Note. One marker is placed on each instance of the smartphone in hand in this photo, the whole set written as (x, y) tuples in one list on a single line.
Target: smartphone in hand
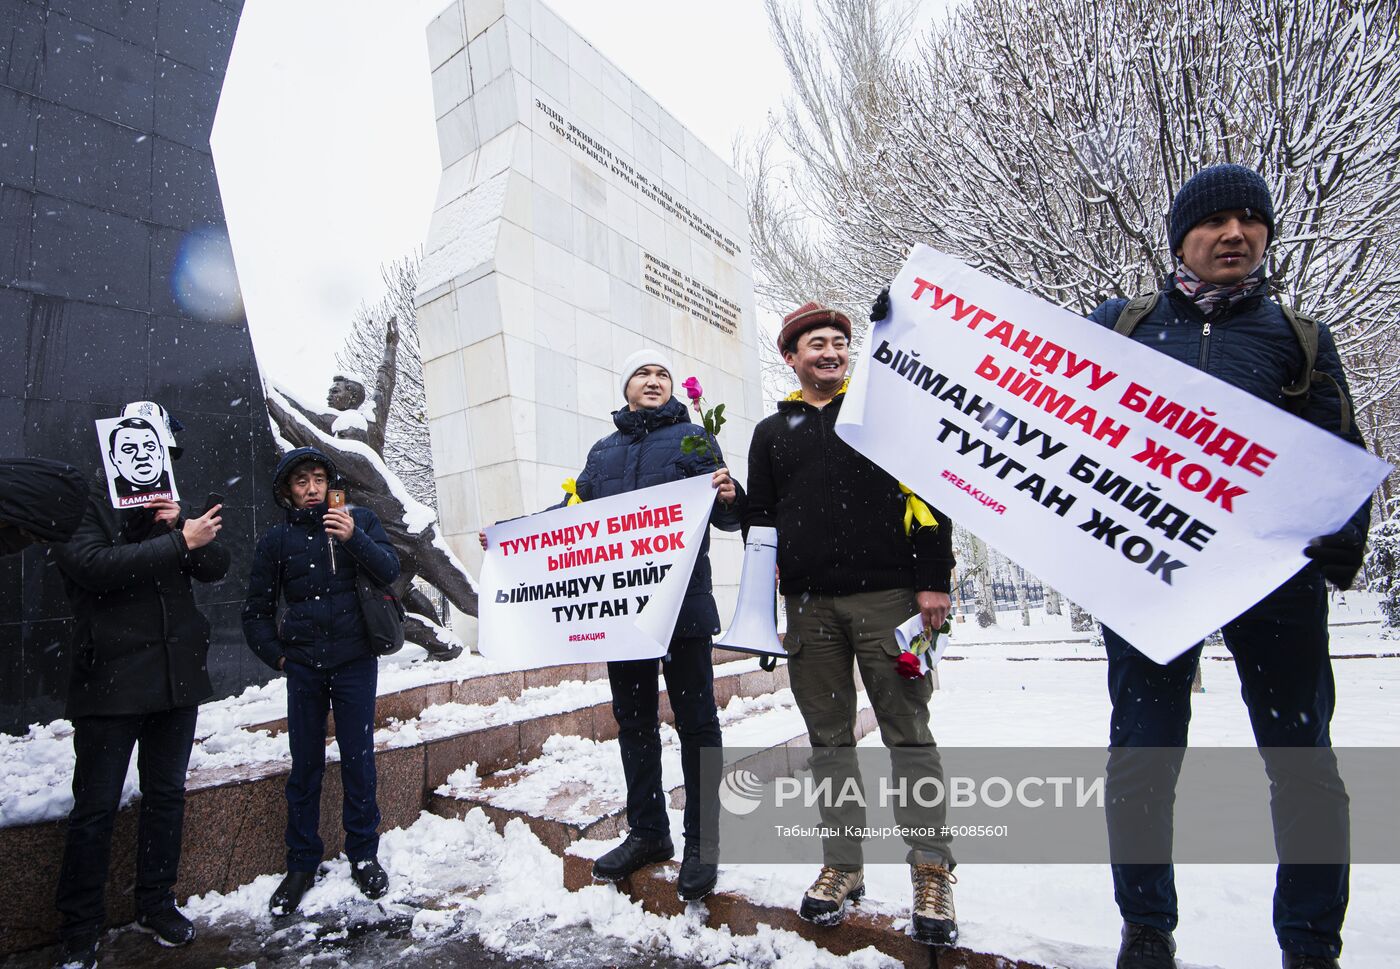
[(211, 500), (335, 498)]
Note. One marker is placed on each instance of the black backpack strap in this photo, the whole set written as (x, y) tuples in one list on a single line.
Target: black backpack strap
[(1132, 314), (1295, 395)]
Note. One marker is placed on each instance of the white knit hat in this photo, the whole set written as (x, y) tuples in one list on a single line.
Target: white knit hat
[(645, 357)]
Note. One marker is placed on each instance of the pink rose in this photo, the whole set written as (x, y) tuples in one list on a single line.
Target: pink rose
[(909, 666), (693, 390)]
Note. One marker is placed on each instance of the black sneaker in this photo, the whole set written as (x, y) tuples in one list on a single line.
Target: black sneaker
[(370, 877), (170, 928), (79, 954), (1145, 947), (636, 852), (698, 872), (288, 895), (1297, 960)]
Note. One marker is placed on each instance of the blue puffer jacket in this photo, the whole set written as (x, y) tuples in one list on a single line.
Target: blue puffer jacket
[(645, 450), (1252, 347), (322, 627)]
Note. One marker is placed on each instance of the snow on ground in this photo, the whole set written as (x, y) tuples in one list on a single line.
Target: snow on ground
[(460, 877)]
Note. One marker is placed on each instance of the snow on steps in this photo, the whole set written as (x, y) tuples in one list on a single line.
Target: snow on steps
[(487, 688), (654, 887), (574, 789), (235, 815)]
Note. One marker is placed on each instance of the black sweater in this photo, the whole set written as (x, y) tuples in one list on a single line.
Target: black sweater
[(840, 518)]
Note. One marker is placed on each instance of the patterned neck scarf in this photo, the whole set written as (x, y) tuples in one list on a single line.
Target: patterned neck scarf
[(1212, 299)]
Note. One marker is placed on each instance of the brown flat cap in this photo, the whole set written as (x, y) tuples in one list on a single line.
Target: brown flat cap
[(809, 316)]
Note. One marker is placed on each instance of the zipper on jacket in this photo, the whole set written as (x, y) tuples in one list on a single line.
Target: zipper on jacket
[(1205, 346)]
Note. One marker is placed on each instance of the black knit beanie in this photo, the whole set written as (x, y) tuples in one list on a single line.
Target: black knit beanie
[(1216, 189)]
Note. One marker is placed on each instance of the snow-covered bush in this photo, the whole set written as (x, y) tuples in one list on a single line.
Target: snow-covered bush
[(1383, 565)]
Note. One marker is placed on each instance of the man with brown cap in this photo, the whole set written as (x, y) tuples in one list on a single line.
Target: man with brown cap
[(851, 571)]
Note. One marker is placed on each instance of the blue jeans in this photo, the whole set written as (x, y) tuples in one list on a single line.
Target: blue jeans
[(348, 690), (102, 748), (690, 685), (1281, 654)]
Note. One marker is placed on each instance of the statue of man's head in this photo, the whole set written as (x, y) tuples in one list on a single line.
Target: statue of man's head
[(346, 393)]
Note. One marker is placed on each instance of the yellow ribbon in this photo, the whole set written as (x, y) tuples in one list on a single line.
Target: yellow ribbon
[(571, 488), (916, 511), (797, 394)]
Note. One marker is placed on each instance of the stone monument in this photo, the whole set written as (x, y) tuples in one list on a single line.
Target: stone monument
[(576, 221), (117, 284)]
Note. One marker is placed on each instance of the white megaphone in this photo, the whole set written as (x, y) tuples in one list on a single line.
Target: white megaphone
[(754, 628)]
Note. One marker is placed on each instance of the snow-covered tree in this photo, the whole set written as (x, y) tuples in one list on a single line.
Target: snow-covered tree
[(1383, 565), (407, 450), (1043, 143)]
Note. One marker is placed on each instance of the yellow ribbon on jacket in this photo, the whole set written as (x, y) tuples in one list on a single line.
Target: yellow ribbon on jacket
[(917, 514), (571, 487)]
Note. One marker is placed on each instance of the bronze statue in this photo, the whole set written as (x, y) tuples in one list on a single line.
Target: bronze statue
[(421, 553)]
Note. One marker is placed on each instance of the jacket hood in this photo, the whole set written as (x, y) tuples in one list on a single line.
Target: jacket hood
[(635, 423), (45, 498), (291, 460)]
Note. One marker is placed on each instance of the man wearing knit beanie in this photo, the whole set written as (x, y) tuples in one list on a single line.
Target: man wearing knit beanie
[(853, 566), (646, 450), (1215, 313)]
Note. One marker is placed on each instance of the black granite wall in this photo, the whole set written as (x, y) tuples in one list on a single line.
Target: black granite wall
[(105, 174)]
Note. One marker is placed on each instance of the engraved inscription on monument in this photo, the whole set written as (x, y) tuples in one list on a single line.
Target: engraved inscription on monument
[(682, 291)]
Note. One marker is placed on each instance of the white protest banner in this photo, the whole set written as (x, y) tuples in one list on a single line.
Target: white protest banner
[(569, 586), (1161, 499), (136, 457)]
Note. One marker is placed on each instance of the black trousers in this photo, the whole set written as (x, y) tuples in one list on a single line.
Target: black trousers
[(102, 748), (1280, 646), (690, 685)]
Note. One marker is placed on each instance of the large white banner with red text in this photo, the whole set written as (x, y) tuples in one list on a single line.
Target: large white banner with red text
[(1161, 499), (570, 585)]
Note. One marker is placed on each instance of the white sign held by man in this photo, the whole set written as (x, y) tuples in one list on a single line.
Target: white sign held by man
[(600, 580), (1161, 499)]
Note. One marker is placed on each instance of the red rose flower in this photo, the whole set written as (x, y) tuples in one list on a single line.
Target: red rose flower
[(693, 390), (909, 666)]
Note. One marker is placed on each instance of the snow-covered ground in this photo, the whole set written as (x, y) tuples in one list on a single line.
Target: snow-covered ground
[(1002, 687)]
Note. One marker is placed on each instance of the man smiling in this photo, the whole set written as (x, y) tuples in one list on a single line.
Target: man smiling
[(851, 572)]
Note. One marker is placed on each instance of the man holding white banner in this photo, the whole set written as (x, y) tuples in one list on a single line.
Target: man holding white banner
[(641, 485), (858, 555), (1215, 314), (1159, 482)]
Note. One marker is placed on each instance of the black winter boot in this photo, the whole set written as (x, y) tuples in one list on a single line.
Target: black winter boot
[(1146, 948), (288, 894), (370, 877), (1297, 960), (168, 926), (80, 953), (698, 872), (636, 852)]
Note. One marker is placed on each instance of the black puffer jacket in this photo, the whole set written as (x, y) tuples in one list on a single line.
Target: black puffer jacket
[(840, 518), (139, 645), (323, 627), (645, 450)]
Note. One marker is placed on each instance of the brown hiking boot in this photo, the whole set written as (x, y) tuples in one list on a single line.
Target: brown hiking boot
[(935, 922), (825, 901)]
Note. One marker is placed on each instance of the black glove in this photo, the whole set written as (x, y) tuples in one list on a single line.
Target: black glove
[(1339, 555), (881, 307)]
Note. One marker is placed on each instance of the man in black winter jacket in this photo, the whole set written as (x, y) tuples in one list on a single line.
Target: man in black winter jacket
[(852, 571), (139, 675), (313, 560), (1215, 313)]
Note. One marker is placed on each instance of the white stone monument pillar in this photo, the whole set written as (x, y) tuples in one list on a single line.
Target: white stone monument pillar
[(576, 221)]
